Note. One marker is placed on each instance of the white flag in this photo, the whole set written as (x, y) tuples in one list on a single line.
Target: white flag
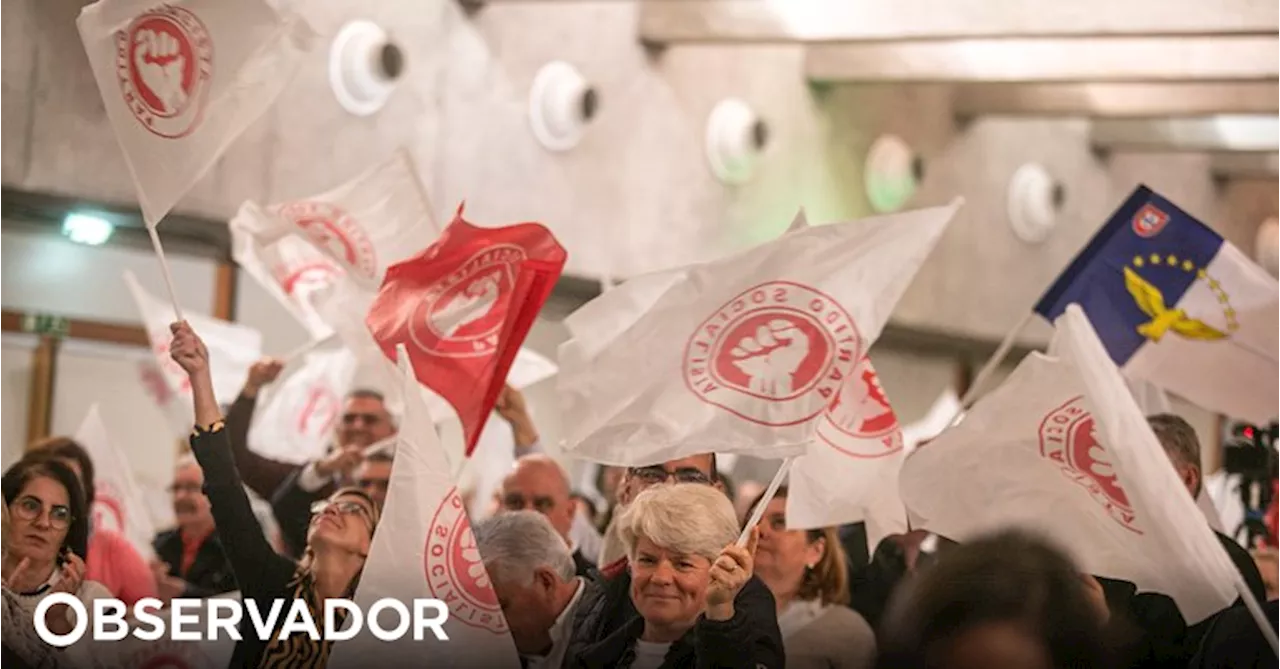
[(944, 411), (232, 348), (738, 355), (424, 549), (850, 473), (292, 270), (294, 422), (1061, 448), (181, 81), (119, 503), (360, 228)]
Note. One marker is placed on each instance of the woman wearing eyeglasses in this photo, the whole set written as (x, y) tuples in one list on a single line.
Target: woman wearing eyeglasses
[(46, 535), (338, 536), (21, 647)]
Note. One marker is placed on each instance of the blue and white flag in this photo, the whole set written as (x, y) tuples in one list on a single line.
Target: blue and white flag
[(1178, 306)]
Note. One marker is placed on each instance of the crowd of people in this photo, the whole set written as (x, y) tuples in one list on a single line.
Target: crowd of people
[(654, 579)]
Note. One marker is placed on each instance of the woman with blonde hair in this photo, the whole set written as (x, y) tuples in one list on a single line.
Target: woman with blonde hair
[(807, 572), (338, 537), (686, 571)]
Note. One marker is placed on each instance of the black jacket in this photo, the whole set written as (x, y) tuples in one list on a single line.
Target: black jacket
[(262, 574), (210, 573), (607, 625), (584, 567), (1147, 628), (1234, 640), (291, 506)]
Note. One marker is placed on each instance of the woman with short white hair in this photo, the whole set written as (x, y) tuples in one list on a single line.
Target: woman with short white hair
[(686, 570)]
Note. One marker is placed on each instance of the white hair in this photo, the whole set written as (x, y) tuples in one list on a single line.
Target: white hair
[(516, 544), (688, 518)]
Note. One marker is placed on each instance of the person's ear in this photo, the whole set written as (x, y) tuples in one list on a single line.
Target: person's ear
[(545, 579)]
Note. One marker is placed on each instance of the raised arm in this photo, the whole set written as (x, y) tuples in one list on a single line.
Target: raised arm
[(250, 555), (262, 475)]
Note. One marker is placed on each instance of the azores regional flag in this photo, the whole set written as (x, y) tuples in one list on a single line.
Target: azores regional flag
[(1177, 306)]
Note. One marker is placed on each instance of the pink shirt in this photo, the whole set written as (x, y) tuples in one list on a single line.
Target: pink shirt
[(114, 563)]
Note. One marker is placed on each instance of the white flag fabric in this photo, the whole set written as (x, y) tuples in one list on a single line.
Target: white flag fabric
[(292, 270), (119, 502), (232, 348), (944, 411), (424, 549), (738, 355), (1151, 398), (294, 422), (361, 227), (1061, 448), (850, 473), (181, 81)]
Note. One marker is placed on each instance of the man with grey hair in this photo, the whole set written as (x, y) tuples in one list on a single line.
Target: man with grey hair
[(533, 576), (1183, 448)]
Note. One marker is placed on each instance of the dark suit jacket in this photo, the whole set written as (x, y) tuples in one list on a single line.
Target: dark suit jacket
[(292, 508), (1233, 640), (210, 573), (584, 567)]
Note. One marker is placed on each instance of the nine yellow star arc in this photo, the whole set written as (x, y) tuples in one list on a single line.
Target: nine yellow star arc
[(1190, 267)]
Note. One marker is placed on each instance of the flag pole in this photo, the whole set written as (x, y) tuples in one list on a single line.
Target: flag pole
[(758, 512), (993, 363), (1255, 610), (164, 269)]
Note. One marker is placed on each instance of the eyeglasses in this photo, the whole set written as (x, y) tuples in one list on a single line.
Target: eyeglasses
[(517, 502), (657, 474), (343, 508), (366, 418), (193, 488), (30, 508)]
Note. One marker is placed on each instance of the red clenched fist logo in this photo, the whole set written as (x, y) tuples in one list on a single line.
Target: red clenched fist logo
[(771, 355), (860, 423), (455, 571), (461, 315), (774, 354), (1068, 438), (319, 412), (334, 231), (164, 62)]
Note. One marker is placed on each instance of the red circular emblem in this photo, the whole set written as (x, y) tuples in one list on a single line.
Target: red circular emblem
[(461, 315), (1068, 438), (332, 229), (455, 572), (164, 62), (108, 512), (306, 278), (782, 342), (859, 422), (318, 411)]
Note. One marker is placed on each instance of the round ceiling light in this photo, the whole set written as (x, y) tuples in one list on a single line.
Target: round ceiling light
[(561, 103), (735, 137), (891, 174), (1034, 199), (364, 65)]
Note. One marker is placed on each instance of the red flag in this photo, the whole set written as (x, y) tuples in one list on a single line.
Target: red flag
[(463, 308)]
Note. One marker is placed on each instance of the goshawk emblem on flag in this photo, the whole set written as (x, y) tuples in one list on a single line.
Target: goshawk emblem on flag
[(1151, 301), (781, 342), (461, 315), (1068, 438), (859, 422), (456, 573), (164, 63), (331, 228)]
